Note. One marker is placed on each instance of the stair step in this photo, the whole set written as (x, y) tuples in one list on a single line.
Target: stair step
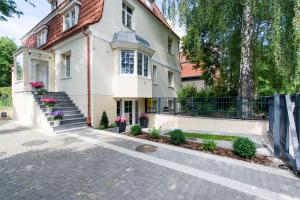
[(69, 121), (69, 126), (71, 129), (70, 104), (74, 108), (68, 116), (67, 113)]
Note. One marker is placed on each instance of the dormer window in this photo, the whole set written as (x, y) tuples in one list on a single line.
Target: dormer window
[(41, 36), (70, 15), (127, 15)]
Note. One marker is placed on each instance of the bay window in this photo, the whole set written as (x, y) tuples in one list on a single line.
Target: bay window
[(127, 62), (143, 64)]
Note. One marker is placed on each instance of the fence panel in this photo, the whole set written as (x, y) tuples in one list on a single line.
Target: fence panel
[(216, 107)]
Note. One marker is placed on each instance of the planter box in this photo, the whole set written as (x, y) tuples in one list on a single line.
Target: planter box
[(144, 122), (112, 130), (122, 127)]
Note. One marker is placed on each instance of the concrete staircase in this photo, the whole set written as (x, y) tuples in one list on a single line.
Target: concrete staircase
[(73, 118)]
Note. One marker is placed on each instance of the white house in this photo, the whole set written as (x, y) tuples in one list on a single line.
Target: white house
[(107, 55)]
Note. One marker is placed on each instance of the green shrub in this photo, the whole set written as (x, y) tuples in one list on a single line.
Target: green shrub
[(244, 147), (104, 121), (42, 91), (113, 125), (5, 91), (136, 129), (177, 137), (154, 133), (209, 145)]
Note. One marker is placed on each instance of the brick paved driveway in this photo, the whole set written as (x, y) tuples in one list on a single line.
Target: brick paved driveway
[(95, 165)]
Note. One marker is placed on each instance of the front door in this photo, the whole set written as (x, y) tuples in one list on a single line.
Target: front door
[(39, 71), (128, 111), (129, 108)]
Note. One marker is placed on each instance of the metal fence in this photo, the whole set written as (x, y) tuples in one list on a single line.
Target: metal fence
[(5, 101), (216, 107)]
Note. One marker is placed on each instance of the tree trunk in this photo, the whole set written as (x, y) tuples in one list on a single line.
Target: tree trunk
[(246, 80)]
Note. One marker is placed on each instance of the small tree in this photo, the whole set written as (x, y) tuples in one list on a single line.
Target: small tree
[(104, 121)]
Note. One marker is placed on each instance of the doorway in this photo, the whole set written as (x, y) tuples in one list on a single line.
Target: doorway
[(129, 109), (39, 71)]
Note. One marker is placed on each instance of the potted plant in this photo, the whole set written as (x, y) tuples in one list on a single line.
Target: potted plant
[(49, 103), (143, 120), (35, 86), (121, 122), (42, 91), (57, 116)]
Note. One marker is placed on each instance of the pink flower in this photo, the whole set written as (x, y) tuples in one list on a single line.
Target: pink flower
[(37, 84), (120, 119), (49, 100)]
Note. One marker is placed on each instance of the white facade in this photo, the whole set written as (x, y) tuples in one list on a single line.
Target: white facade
[(107, 82)]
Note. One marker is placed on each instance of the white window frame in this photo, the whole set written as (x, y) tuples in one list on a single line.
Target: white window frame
[(171, 84), (126, 14), (66, 65), (70, 18), (121, 61), (170, 45), (154, 71), (41, 37), (19, 68), (144, 58)]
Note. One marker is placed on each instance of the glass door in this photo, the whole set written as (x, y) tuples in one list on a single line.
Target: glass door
[(128, 111)]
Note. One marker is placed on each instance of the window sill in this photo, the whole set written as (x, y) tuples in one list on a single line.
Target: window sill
[(155, 84), (19, 81), (144, 77), (130, 29), (66, 78), (171, 87)]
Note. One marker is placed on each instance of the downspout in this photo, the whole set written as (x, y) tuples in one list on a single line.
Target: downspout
[(88, 77)]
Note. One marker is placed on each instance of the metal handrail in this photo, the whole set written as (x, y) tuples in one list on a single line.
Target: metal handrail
[(294, 136)]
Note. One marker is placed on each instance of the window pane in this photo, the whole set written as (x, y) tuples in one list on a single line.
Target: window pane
[(129, 20), (127, 62), (73, 17), (68, 66), (140, 64), (118, 108), (123, 17), (146, 65), (129, 10)]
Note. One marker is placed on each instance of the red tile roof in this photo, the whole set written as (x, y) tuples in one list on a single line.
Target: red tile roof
[(90, 13), (187, 68)]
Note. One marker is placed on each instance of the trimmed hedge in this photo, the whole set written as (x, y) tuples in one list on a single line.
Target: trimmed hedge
[(136, 129), (177, 137)]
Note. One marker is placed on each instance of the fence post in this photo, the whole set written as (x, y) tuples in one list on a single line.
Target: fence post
[(159, 105), (297, 112), (174, 106), (276, 126)]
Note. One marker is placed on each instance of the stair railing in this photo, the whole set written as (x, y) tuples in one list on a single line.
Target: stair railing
[(285, 136)]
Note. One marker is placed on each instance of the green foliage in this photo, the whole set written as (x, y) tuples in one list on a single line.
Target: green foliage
[(136, 130), (209, 145), (244, 147), (113, 125), (8, 8), (7, 47), (177, 137), (104, 121), (214, 39), (154, 133), (42, 91), (5, 101), (5, 91)]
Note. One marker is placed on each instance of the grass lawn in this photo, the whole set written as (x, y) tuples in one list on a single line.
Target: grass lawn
[(205, 136)]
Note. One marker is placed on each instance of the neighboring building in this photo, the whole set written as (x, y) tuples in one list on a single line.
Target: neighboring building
[(104, 54), (190, 75)]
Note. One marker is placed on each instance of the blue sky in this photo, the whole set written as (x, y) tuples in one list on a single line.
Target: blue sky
[(16, 27)]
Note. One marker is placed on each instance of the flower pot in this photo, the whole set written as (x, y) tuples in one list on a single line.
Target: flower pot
[(144, 122), (49, 109), (122, 127), (34, 91), (56, 122)]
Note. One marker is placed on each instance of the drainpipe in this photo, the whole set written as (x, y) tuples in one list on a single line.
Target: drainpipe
[(88, 76)]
